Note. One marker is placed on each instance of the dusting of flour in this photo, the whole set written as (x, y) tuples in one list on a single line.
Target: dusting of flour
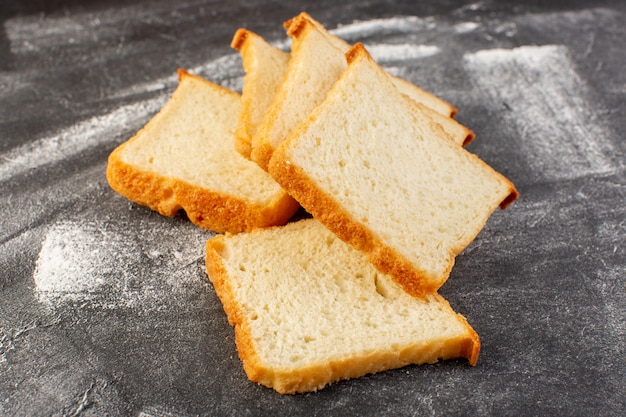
[(77, 261), (556, 122), (114, 266)]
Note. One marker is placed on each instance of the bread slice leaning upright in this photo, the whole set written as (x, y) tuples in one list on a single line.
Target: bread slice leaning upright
[(264, 66), (387, 180), (309, 310), (314, 67), (184, 159), (409, 89), (317, 61), (434, 107)]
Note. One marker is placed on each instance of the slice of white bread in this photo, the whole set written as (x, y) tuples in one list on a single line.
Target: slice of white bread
[(184, 158), (309, 310), (317, 61), (385, 178), (264, 66), (314, 67), (436, 108), (411, 90)]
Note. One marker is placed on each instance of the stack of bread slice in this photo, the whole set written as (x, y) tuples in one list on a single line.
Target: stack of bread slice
[(379, 165)]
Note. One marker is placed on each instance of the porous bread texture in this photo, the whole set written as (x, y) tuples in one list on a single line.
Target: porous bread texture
[(309, 310), (411, 90), (264, 66), (317, 61), (184, 159), (384, 178), (314, 66)]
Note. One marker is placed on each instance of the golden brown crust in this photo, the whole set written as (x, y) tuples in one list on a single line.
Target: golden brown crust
[(239, 38), (207, 209), (470, 348), (314, 377), (261, 153), (242, 136), (297, 25), (326, 209), (219, 277), (242, 145)]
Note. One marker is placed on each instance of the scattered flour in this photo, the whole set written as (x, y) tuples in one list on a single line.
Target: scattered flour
[(114, 266), (401, 24), (466, 27), (79, 260), (77, 138), (554, 120), (389, 52)]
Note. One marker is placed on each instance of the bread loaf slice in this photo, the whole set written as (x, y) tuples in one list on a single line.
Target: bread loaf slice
[(314, 67), (317, 61), (184, 158), (309, 310), (264, 66), (385, 178), (411, 90), (439, 110)]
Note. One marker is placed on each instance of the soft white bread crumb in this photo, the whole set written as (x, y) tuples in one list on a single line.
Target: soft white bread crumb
[(317, 61), (386, 179), (264, 66), (314, 67), (411, 90), (309, 310), (184, 158)]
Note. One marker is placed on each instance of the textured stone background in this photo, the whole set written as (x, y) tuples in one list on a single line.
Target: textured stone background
[(105, 307)]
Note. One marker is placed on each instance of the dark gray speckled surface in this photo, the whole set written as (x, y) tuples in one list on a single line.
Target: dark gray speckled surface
[(105, 308)]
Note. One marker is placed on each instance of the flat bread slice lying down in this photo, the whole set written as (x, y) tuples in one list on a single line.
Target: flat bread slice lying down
[(264, 66), (184, 159), (309, 310), (384, 178)]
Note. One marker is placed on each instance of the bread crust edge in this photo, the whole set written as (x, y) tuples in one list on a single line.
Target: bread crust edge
[(336, 218), (312, 378)]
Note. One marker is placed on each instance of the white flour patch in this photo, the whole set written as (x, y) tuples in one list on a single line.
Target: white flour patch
[(401, 24), (115, 266), (77, 261), (556, 126), (226, 70), (388, 52), (77, 138), (31, 34), (466, 27)]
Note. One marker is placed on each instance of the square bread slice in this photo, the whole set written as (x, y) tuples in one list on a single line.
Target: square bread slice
[(184, 158), (309, 310), (264, 66), (317, 61), (386, 179)]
